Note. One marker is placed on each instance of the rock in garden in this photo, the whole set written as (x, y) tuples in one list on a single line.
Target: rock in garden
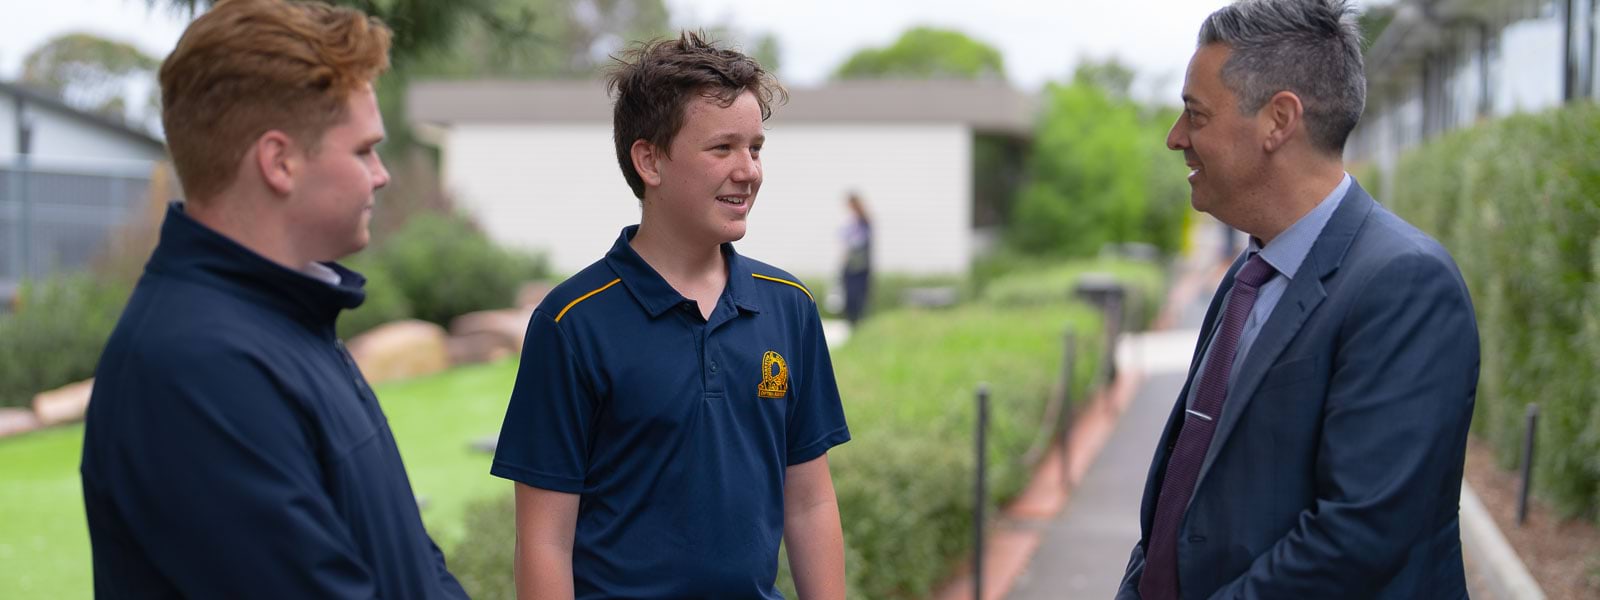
[(401, 350), (64, 404)]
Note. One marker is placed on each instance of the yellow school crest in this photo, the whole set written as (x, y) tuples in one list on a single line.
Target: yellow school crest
[(774, 376)]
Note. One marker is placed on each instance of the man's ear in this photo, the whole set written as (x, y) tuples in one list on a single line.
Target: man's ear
[(1283, 115), (646, 160), (278, 161)]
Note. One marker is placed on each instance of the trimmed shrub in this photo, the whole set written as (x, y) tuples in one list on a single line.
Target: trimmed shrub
[(1517, 202), (908, 379), (56, 335), (1144, 282), (446, 267), (385, 301), (483, 560)]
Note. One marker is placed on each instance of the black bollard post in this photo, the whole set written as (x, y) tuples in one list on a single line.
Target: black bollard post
[(981, 497), (1069, 364), (1527, 462)]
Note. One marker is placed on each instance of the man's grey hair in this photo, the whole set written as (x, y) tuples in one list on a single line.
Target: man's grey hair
[(1309, 47)]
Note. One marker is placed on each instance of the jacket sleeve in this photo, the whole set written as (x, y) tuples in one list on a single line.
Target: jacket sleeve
[(447, 581), (1129, 590), (220, 483), (1394, 428)]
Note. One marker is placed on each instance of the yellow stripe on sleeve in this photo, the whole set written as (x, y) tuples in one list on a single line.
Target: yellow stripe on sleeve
[(573, 303), (785, 281)]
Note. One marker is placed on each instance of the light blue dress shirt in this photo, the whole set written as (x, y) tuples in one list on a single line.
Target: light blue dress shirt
[(1285, 254)]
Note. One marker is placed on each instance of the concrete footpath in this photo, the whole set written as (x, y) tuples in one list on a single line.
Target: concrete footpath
[(1085, 549)]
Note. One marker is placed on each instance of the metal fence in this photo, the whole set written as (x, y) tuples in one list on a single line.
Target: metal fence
[(55, 219)]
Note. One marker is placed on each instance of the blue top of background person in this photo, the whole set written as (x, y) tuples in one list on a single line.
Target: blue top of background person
[(675, 402), (232, 449)]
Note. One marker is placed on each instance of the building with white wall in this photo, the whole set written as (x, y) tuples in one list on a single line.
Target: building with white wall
[(65, 137), (534, 162)]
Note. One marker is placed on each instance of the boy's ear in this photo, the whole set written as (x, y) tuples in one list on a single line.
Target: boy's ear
[(646, 160)]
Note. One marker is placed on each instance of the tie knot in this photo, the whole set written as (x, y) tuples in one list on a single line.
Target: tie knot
[(1255, 272)]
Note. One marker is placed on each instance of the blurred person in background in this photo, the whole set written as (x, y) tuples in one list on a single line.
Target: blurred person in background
[(232, 448), (1316, 450), (857, 272), (675, 402)]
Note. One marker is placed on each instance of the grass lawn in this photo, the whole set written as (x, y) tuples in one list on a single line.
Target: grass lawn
[(44, 541)]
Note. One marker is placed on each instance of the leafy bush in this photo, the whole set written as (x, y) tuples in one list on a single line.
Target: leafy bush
[(1144, 282), (1517, 202), (56, 335), (482, 562), (908, 380), (385, 300), (446, 267)]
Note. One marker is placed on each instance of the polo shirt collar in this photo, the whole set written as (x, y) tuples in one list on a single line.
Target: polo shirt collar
[(656, 295)]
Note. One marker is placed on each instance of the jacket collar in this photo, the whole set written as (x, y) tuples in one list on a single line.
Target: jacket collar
[(191, 251)]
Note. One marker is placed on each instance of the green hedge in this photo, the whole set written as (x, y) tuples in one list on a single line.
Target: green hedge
[(1145, 284), (55, 336), (1517, 201), (904, 482), (385, 302), (446, 267)]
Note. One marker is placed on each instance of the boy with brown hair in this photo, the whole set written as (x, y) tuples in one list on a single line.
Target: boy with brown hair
[(675, 402)]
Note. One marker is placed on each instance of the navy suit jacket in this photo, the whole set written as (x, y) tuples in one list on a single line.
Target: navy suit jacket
[(1335, 470)]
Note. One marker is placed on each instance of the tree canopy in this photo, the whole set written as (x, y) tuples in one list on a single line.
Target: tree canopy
[(93, 74), (926, 53)]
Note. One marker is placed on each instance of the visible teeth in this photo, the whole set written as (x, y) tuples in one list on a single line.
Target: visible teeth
[(731, 200)]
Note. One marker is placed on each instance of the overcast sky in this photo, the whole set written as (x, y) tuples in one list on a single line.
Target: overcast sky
[(1041, 39)]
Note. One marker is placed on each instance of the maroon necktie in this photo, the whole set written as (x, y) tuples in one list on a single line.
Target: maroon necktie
[(1160, 578)]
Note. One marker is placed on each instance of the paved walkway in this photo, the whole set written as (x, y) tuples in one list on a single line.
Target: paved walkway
[(1086, 548)]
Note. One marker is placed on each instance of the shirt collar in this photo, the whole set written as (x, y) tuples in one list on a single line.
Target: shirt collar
[(1288, 251), (655, 294)]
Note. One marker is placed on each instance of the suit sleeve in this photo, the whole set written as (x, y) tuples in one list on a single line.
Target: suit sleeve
[(1394, 428), (226, 495), (1129, 590)]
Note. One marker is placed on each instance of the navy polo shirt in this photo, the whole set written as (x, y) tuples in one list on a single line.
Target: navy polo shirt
[(676, 430)]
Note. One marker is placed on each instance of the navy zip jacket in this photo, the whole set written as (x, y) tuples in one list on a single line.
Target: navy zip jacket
[(233, 450)]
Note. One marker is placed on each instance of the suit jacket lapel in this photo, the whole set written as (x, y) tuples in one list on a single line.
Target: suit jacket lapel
[(1300, 299)]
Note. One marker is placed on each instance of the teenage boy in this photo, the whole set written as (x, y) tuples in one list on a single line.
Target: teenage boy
[(675, 402)]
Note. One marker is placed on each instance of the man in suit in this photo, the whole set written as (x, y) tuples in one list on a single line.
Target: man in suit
[(1316, 450)]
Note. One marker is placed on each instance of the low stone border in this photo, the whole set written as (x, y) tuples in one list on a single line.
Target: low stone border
[(1489, 551)]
